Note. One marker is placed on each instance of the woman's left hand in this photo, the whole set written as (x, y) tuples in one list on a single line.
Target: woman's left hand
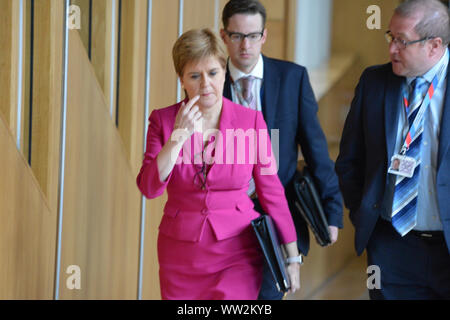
[(293, 270)]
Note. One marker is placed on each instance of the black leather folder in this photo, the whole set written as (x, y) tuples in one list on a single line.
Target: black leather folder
[(308, 205), (270, 245)]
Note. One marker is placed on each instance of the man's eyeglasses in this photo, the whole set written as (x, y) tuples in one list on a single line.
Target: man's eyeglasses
[(400, 43), (238, 37)]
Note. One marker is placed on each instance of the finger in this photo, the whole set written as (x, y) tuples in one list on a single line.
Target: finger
[(191, 103), (198, 116), (193, 115), (183, 107), (181, 112), (193, 112), (189, 116)]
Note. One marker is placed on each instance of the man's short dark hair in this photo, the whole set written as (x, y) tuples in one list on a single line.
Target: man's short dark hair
[(243, 7)]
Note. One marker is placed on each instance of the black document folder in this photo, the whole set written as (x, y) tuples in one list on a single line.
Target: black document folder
[(270, 245), (308, 205)]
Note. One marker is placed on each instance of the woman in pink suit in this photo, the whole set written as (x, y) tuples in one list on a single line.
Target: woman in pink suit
[(204, 151)]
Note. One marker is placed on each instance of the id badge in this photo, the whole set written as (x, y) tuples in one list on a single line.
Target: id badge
[(402, 166)]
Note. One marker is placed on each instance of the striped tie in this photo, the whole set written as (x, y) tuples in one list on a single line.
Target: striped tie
[(247, 91), (404, 208)]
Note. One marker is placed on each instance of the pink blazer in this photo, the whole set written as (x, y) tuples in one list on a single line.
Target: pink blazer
[(224, 202)]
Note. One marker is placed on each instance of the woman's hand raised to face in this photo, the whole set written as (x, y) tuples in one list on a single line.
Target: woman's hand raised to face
[(184, 126), (187, 117)]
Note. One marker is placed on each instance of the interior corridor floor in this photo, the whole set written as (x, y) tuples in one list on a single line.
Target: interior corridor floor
[(349, 283)]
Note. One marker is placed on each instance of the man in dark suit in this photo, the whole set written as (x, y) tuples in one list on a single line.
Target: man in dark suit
[(281, 90), (401, 110)]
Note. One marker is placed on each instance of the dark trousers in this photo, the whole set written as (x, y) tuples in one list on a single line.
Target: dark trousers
[(411, 267)]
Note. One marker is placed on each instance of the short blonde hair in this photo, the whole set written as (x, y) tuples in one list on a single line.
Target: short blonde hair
[(196, 44)]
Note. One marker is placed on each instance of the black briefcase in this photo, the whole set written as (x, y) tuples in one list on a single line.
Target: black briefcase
[(308, 205), (270, 245)]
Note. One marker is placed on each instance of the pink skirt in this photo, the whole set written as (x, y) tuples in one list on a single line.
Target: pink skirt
[(230, 269)]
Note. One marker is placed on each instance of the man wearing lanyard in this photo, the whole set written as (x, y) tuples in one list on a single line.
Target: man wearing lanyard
[(394, 161), (281, 90)]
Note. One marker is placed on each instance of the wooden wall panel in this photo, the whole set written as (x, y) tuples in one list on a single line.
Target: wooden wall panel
[(84, 10), (222, 4), (6, 18), (27, 228), (9, 55), (47, 96), (132, 79), (291, 20), (275, 46), (162, 94), (9, 66), (164, 34), (198, 14), (350, 33), (101, 42), (101, 219)]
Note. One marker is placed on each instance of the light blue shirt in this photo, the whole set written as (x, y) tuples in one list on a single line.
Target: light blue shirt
[(428, 218)]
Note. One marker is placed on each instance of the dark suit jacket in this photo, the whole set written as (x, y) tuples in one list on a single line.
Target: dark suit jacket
[(368, 141), (288, 104)]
